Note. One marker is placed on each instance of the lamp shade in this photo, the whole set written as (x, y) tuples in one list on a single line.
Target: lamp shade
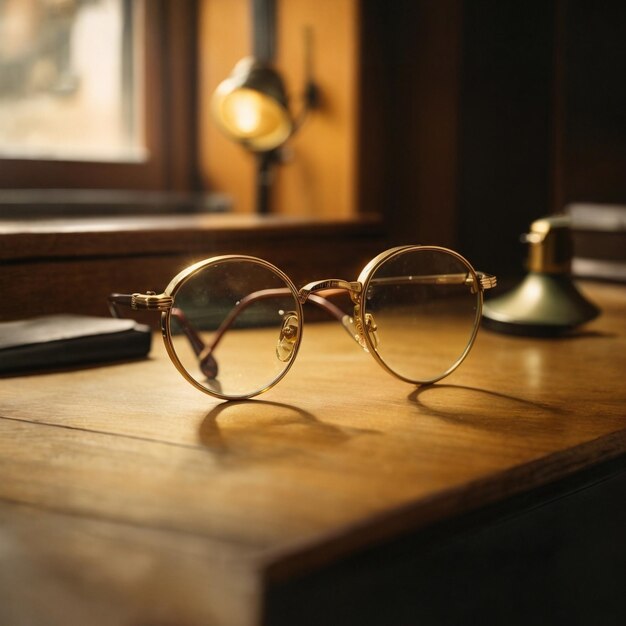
[(250, 106)]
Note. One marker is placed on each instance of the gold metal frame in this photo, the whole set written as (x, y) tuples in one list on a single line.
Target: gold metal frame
[(360, 325), (179, 280)]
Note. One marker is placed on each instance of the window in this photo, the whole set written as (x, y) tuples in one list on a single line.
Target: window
[(68, 85), (87, 88)]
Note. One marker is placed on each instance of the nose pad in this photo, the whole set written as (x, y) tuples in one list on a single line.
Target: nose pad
[(288, 336), (353, 324), (371, 328)]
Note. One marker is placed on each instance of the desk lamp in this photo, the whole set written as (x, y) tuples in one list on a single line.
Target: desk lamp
[(546, 302), (250, 106)]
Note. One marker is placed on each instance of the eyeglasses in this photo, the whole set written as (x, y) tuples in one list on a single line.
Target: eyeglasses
[(232, 325)]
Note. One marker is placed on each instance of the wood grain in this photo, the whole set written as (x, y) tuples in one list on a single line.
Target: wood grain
[(129, 471)]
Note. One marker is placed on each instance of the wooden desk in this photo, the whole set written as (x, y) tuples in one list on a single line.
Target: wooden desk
[(127, 497)]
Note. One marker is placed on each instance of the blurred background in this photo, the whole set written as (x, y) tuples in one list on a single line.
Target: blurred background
[(455, 122)]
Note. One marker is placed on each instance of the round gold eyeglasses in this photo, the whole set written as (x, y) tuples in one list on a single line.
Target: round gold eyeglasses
[(232, 324)]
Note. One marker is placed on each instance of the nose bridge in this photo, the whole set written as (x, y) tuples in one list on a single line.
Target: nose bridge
[(354, 288)]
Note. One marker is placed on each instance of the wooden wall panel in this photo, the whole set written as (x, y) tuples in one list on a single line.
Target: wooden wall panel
[(505, 128), (462, 117), (409, 123), (319, 178), (592, 116)]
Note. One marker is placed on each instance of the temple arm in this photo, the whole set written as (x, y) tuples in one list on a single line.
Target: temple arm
[(204, 352), (162, 302), (485, 281), (245, 302)]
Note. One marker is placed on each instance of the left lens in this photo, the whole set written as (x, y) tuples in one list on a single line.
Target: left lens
[(421, 306), (234, 326)]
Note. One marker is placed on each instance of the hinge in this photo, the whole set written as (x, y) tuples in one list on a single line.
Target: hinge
[(151, 301), (487, 281)]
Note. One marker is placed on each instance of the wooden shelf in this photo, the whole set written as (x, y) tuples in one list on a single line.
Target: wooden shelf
[(77, 262)]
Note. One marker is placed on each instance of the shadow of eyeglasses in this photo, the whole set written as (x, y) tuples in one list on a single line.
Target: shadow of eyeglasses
[(482, 408), (262, 429)]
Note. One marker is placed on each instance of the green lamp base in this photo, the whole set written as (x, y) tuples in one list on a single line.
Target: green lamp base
[(542, 305)]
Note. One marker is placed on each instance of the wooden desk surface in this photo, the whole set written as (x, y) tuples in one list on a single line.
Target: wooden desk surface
[(128, 497)]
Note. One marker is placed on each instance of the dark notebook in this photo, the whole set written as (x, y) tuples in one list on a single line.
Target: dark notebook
[(69, 340)]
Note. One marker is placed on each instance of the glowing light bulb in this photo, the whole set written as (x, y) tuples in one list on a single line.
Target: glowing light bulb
[(245, 111), (250, 107)]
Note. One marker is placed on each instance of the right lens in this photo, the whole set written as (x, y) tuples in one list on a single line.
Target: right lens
[(235, 325), (421, 310)]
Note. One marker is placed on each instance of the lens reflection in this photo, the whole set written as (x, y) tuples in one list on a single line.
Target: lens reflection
[(229, 325), (425, 314)]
